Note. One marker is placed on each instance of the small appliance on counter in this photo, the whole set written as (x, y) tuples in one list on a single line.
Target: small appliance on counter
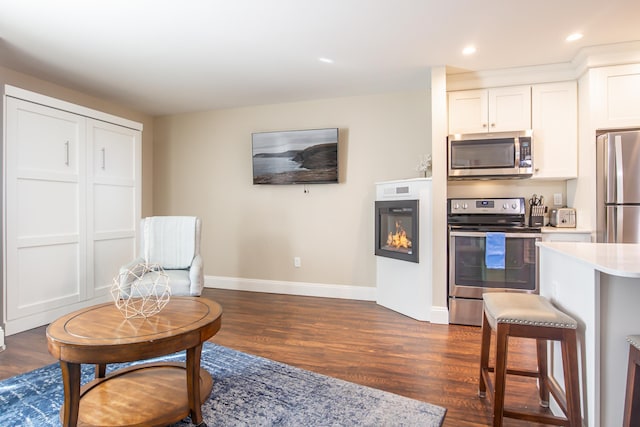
[(563, 217)]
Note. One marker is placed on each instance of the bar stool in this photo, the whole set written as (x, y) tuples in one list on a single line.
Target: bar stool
[(529, 316), (632, 399)]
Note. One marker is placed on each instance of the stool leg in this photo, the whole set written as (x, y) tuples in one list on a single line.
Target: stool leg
[(571, 383), (632, 399), (485, 346), (543, 372), (502, 347)]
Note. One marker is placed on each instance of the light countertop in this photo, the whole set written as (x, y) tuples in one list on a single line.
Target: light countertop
[(617, 259)]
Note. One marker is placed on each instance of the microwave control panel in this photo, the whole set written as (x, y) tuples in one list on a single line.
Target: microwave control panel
[(525, 152)]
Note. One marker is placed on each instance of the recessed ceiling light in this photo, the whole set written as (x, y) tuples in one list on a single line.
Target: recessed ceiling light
[(326, 60), (469, 50), (573, 37)]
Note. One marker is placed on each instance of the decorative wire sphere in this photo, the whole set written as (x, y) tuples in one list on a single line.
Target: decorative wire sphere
[(141, 291)]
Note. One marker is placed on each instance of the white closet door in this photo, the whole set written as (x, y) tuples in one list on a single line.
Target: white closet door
[(44, 205), (114, 176)]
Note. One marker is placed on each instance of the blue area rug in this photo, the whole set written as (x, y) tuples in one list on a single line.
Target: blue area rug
[(248, 391)]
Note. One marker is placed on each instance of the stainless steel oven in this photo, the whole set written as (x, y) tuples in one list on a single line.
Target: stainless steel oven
[(474, 224)]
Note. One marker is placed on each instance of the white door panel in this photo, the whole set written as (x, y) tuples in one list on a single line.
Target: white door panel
[(114, 151), (45, 200), (109, 256), (46, 277), (47, 208), (48, 138), (114, 208)]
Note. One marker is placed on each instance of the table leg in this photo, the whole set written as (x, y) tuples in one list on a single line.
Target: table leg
[(71, 381), (193, 383), (101, 370)]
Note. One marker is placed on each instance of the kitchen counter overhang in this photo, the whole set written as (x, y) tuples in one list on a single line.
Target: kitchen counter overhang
[(616, 259), (598, 284)]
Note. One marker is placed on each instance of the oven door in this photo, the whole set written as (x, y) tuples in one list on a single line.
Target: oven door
[(469, 276)]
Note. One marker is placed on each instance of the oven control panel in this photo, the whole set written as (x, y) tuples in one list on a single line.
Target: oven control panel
[(495, 206)]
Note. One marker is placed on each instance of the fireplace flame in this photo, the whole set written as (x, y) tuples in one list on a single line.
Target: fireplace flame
[(398, 239)]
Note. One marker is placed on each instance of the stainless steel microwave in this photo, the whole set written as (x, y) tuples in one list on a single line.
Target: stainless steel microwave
[(491, 155)]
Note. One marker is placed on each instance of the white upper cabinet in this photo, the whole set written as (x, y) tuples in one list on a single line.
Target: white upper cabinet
[(468, 111), (616, 96), (490, 110), (555, 130)]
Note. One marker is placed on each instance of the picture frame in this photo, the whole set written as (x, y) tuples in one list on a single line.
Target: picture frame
[(295, 157)]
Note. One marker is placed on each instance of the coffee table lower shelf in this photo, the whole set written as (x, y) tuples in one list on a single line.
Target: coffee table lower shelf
[(151, 394)]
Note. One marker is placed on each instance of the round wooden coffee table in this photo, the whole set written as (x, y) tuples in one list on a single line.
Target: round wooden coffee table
[(146, 394)]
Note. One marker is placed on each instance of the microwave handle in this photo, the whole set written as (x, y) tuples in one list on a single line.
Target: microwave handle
[(516, 144)]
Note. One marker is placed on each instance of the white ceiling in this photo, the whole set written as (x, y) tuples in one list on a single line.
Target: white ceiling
[(173, 56)]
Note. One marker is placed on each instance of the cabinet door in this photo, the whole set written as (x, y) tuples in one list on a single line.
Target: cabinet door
[(509, 108), (569, 236), (616, 91), (555, 130), (45, 196), (113, 209), (468, 111)]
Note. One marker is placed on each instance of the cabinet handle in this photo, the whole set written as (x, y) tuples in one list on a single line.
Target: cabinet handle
[(66, 150), (493, 125), (484, 125), (104, 158)]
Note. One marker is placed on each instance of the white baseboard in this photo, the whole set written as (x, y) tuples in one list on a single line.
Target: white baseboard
[(364, 293), (439, 315), (44, 317), (2, 346)]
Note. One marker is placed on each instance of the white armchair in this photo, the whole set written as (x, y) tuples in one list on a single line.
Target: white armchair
[(172, 242)]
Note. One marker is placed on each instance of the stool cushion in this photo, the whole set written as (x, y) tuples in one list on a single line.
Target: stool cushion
[(634, 340), (524, 309)]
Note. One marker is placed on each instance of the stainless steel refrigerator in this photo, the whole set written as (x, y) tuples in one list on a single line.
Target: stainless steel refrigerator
[(618, 186)]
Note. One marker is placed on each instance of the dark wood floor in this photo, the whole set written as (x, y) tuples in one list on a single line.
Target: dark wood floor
[(358, 341)]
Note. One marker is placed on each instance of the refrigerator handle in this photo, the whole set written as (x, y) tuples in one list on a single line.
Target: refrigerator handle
[(618, 168), (619, 220)]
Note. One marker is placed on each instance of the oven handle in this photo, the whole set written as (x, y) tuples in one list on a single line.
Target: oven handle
[(506, 234)]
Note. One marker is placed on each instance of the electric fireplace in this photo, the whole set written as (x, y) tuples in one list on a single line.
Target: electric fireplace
[(402, 222), (396, 229)]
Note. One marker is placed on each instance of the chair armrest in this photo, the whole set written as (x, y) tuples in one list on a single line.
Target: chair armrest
[(125, 285), (196, 276), (130, 265)]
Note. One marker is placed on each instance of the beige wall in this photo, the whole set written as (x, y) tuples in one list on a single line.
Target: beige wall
[(202, 166), (43, 87)]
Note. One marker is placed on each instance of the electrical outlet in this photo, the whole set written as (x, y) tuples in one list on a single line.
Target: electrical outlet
[(297, 262), (557, 199)]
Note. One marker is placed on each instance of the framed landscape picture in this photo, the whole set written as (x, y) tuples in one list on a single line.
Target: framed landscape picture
[(295, 157)]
